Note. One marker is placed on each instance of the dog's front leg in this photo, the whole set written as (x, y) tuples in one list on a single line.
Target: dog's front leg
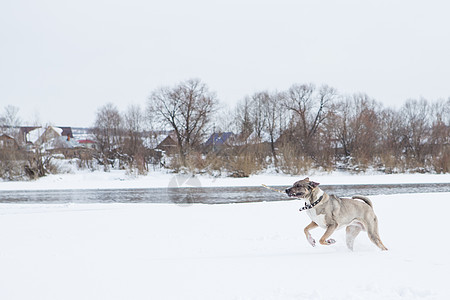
[(310, 239), (324, 239)]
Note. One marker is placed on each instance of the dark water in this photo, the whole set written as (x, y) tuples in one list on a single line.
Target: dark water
[(210, 195)]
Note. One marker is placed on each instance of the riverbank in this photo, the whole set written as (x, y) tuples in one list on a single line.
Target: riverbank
[(158, 179), (232, 251)]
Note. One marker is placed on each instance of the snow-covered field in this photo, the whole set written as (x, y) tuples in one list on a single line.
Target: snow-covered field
[(116, 179), (233, 251)]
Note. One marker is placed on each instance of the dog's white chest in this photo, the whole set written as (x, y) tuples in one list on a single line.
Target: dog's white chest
[(318, 219)]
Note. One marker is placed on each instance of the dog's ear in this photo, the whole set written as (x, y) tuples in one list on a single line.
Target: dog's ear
[(313, 184)]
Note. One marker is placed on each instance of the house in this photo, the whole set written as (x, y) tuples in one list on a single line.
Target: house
[(169, 144), (48, 138), (67, 132), (90, 144), (218, 140), (8, 143), (49, 134), (23, 133), (33, 134), (152, 139)]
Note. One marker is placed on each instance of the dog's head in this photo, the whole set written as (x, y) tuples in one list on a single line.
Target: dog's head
[(302, 188)]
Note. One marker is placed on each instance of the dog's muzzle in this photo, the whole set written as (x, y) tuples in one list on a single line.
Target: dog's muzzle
[(291, 194)]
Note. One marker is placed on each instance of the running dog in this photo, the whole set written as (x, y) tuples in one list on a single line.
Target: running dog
[(332, 213)]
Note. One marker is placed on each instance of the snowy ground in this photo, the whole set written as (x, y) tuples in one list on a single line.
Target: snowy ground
[(234, 251), (119, 180)]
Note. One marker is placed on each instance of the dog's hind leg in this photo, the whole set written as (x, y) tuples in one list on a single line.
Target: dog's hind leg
[(377, 241), (327, 234), (372, 232), (351, 232), (309, 238)]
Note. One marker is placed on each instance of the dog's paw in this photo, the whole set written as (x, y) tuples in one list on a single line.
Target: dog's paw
[(330, 241), (312, 241)]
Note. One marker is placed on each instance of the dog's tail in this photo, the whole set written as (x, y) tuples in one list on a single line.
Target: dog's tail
[(365, 199)]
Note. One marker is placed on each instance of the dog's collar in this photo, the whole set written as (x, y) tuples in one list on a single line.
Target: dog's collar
[(309, 206)]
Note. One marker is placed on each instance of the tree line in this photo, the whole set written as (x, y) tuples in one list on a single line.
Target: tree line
[(303, 128)]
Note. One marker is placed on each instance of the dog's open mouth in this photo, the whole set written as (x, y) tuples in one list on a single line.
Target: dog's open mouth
[(295, 194)]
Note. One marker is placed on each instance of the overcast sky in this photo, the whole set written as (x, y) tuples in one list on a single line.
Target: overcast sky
[(61, 60)]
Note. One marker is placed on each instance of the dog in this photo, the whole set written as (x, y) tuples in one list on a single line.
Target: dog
[(331, 213)]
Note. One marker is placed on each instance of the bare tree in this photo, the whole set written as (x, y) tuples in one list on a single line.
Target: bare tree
[(186, 108), (416, 130), (258, 104), (299, 100), (440, 136), (10, 158), (391, 138), (108, 133), (340, 125), (225, 121), (134, 120), (367, 129), (10, 120), (274, 115), (310, 108), (242, 119), (356, 127)]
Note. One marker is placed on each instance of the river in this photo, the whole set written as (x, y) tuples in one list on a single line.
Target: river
[(209, 195)]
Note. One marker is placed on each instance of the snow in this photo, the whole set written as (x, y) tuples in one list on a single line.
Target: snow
[(116, 179), (35, 134), (232, 251), (58, 130)]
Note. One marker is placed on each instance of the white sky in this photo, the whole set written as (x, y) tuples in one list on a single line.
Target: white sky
[(61, 60)]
